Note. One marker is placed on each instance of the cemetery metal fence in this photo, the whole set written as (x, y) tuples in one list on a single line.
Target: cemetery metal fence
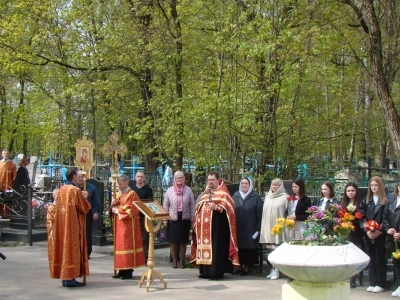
[(26, 207)]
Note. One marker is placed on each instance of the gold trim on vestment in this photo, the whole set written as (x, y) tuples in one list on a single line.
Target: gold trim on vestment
[(201, 245), (129, 251)]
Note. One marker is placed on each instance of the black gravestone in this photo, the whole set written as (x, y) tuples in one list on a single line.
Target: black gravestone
[(132, 184), (98, 237), (188, 179), (287, 184), (18, 200), (232, 188)]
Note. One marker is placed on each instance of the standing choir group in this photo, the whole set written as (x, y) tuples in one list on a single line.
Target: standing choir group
[(225, 231)]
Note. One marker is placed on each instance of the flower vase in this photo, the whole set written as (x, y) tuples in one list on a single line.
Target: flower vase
[(318, 271), (289, 235)]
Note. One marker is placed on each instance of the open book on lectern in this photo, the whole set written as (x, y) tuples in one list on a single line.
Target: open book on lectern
[(152, 209)]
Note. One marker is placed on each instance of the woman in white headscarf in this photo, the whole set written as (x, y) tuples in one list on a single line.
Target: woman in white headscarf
[(248, 212), (275, 205)]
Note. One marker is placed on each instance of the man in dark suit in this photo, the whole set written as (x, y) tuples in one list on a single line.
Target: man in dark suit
[(93, 213), (144, 192)]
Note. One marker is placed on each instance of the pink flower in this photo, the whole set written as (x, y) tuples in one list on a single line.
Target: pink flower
[(337, 221)]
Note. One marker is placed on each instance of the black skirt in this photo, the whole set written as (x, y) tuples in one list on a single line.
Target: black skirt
[(248, 256), (178, 231)]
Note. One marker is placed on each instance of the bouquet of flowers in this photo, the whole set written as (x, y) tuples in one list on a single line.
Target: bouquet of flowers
[(328, 227), (349, 213), (372, 226), (281, 225), (396, 254)]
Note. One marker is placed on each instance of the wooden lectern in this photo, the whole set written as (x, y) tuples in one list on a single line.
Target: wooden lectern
[(153, 212)]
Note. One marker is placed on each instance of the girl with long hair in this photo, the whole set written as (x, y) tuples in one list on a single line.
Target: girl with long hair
[(391, 224), (372, 208), (327, 196), (351, 196), (298, 205)]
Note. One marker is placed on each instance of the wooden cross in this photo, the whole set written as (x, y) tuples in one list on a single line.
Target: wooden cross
[(113, 148)]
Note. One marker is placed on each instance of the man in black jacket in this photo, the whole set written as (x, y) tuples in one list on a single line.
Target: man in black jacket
[(144, 192)]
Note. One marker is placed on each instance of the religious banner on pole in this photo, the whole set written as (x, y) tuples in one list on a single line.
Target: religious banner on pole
[(84, 159)]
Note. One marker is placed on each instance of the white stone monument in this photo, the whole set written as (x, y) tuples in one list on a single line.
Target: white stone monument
[(318, 271)]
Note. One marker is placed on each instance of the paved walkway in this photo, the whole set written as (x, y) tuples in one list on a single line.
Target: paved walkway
[(25, 275)]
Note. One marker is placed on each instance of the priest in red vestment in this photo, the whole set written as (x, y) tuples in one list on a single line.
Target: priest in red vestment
[(214, 241), (51, 216), (67, 247), (8, 171), (128, 244)]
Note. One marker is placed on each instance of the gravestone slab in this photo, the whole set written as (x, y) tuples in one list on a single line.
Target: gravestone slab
[(232, 188), (19, 200), (43, 181), (287, 184)]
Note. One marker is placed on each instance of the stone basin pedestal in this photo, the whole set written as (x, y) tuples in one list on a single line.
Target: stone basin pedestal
[(318, 271)]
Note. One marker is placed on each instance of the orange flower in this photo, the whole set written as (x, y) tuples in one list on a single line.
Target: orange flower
[(348, 217)]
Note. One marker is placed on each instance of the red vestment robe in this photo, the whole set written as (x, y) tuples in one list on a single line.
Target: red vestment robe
[(66, 224), (51, 216), (202, 247), (7, 175), (128, 244)]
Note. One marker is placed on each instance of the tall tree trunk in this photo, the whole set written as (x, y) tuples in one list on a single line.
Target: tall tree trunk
[(178, 81), (18, 114), (357, 102), (3, 102), (143, 11), (380, 75), (367, 109)]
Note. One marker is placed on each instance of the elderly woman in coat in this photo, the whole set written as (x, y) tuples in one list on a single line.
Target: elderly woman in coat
[(248, 211)]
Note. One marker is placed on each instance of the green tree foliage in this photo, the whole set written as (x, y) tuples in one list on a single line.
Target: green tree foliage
[(213, 81)]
